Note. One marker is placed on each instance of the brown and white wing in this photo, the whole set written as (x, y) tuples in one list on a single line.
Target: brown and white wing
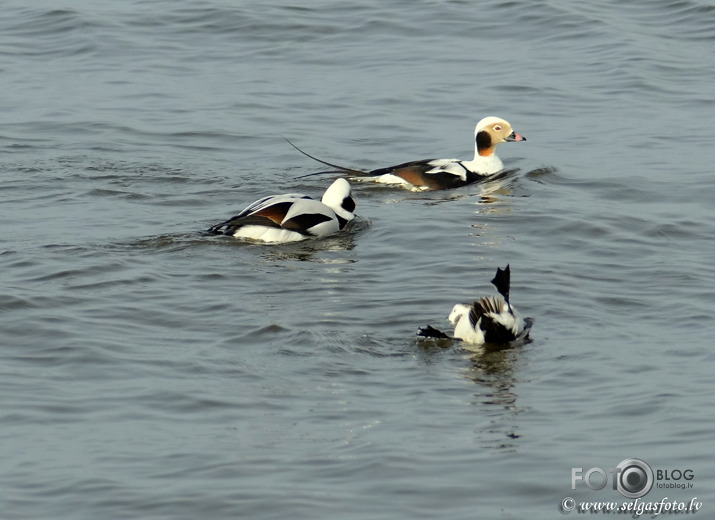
[(269, 212), (433, 174)]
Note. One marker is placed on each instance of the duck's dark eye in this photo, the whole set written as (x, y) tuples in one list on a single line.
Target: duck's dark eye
[(497, 128)]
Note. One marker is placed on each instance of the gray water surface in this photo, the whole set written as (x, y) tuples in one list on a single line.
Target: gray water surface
[(149, 371)]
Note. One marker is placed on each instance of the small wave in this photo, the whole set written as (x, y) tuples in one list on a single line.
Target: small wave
[(32, 32)]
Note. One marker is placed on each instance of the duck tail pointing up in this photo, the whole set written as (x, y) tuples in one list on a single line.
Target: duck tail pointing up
[(337, 167), (502, 281)]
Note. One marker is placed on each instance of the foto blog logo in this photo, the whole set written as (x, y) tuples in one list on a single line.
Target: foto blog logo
[(632, 478)]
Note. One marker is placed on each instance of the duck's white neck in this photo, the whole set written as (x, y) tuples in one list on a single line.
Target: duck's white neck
[(484, 165)]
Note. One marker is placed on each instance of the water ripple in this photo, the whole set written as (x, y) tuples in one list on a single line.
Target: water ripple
[(149, 370)]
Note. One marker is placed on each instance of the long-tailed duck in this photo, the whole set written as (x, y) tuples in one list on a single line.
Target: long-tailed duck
[(438, 174), (491, 319), (292, 217)]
